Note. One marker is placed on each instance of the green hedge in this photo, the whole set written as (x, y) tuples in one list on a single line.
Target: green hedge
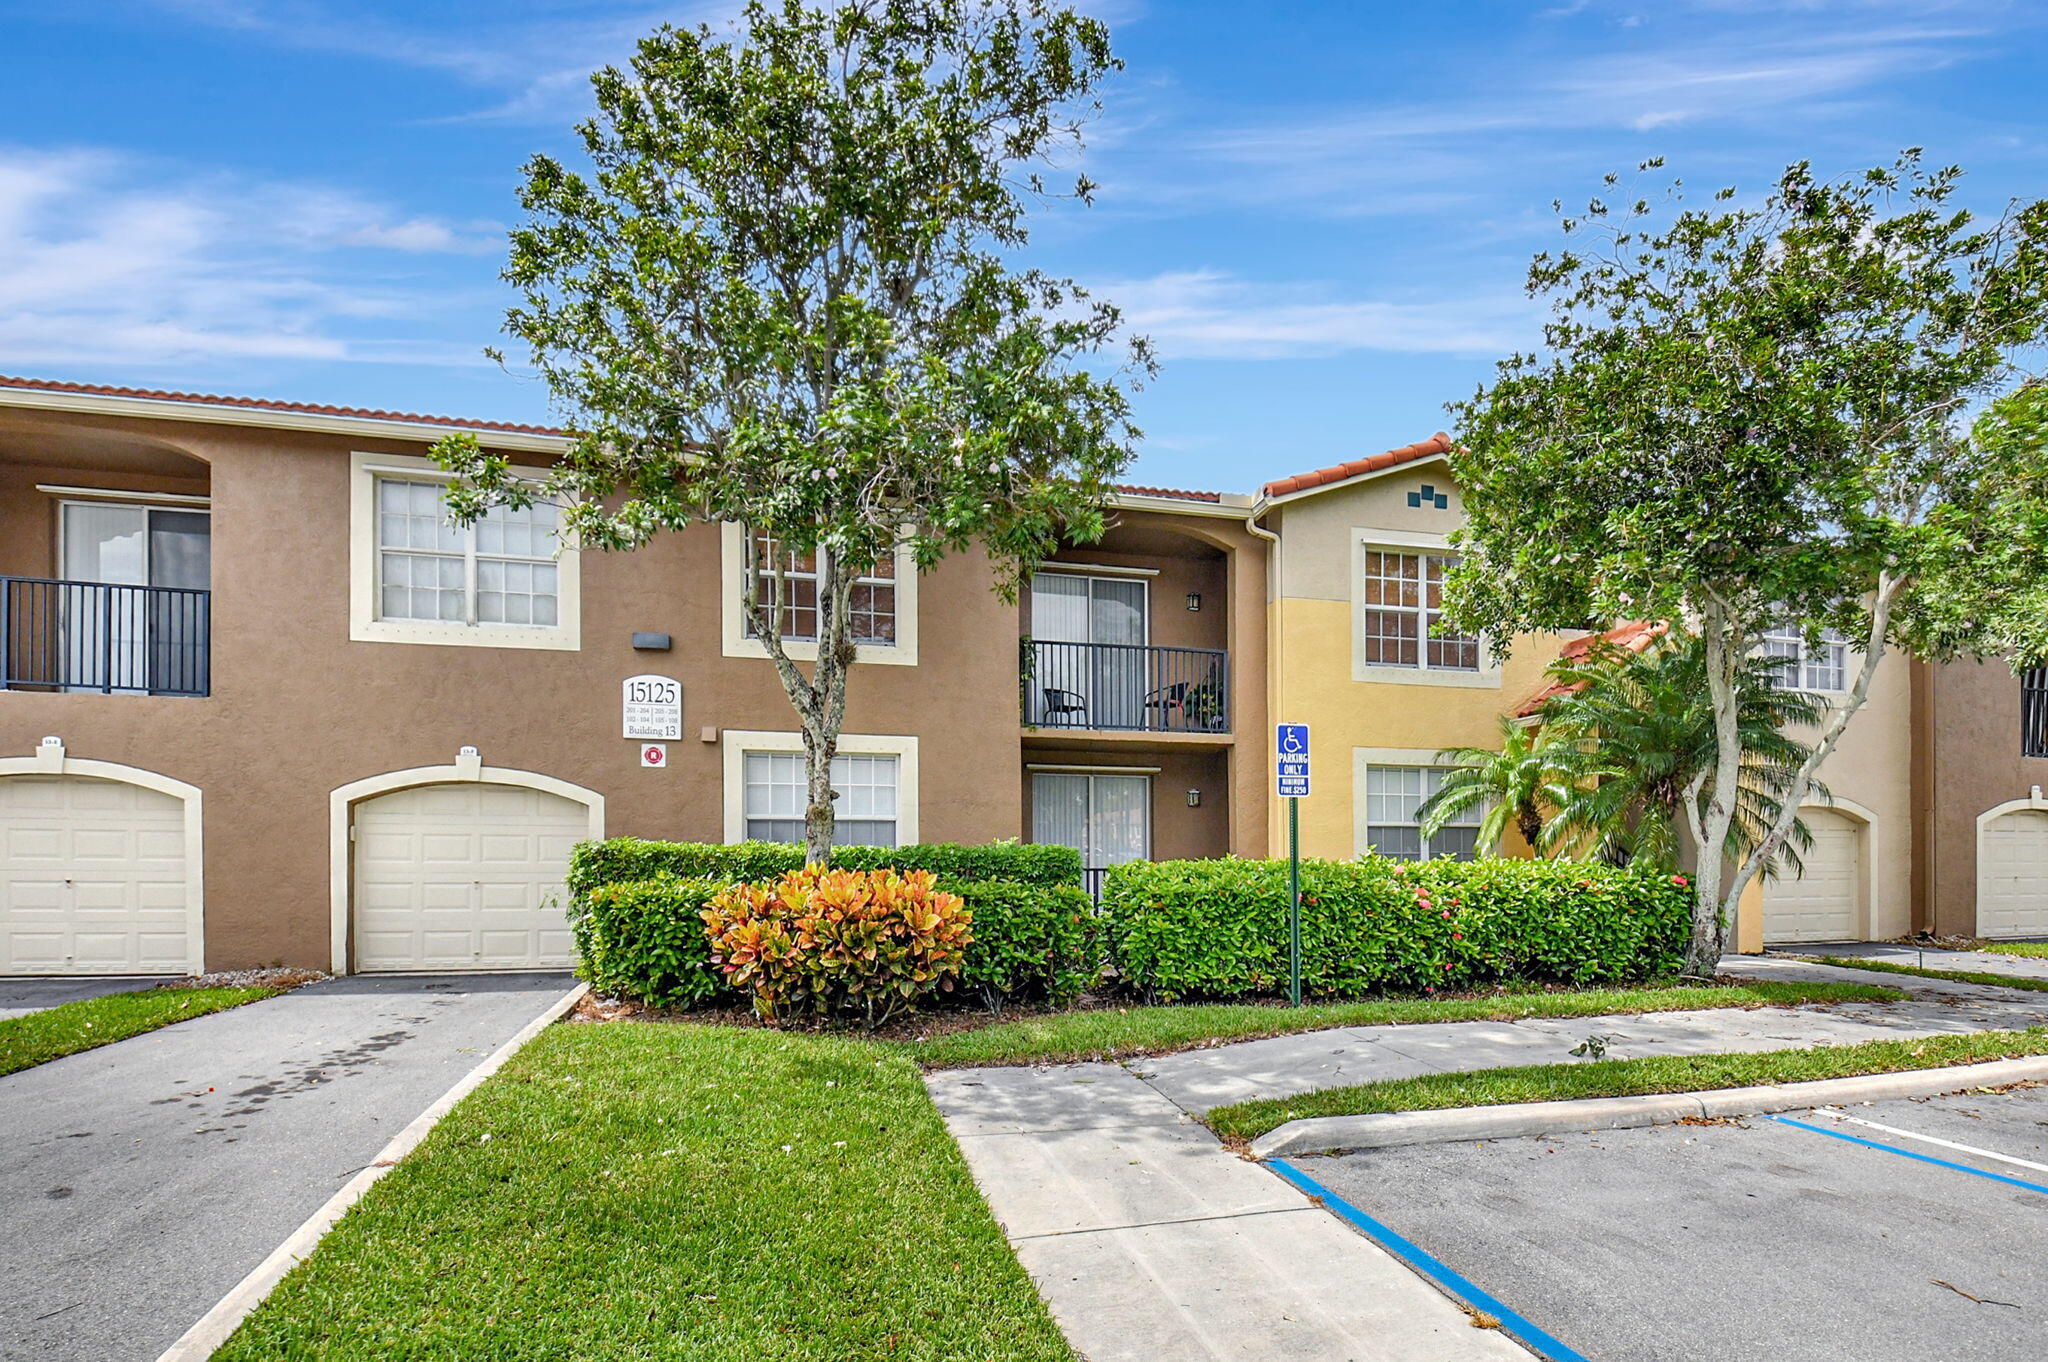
[(643, 939), (1218, 929), (622, 860)]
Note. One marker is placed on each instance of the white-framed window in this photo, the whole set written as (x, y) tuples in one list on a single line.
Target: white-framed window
[(1393, 797), (864, 811), (499, 571), (507, 581), (884, 602), (1810, 667), (1400, 620), (874, 775), (790, 577)]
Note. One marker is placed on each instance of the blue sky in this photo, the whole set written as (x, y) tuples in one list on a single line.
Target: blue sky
[(1321, 213)]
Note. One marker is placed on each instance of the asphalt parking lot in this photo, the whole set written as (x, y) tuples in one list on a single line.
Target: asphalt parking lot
[(1767, 1238)]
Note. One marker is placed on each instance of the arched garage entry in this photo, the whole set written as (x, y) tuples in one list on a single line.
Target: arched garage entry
[(101, 868), (1829, 900), (456, 868), (2012, 869)]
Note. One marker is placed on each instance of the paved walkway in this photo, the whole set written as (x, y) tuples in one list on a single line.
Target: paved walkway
[(141, 1180), (1977, 962), (1150, 1240), (1197, 1080)]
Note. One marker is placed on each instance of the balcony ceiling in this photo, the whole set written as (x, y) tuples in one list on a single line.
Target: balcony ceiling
[(27, 442)]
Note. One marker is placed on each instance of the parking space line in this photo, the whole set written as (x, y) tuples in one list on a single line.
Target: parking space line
[(1908, 1153), (1945, 1144), (1458, 1286)]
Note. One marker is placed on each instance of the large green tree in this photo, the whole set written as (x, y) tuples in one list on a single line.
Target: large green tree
[(1752, 413), (785, 293)]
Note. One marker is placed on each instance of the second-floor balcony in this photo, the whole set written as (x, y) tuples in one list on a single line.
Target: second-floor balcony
[(102, 637), (1126, 687)]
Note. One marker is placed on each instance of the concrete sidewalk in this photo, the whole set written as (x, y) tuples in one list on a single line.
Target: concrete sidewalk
[(1149, 1240), (1199, 1080), (1975, 962)]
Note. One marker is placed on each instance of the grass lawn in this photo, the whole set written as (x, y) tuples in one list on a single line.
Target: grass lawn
[(2037, 949), (91, 1022), (1958, 976), (676, 1192), (1625, 1078), (1109, 1033)]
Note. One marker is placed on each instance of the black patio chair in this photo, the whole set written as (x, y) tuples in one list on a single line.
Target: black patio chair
[(1055, 704)]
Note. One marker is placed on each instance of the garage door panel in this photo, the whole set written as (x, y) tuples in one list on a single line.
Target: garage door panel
[(464, 875), (2012, 870), (93, 877), (1825, 901)]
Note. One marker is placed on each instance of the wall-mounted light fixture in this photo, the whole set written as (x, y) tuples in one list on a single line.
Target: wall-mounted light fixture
[(1194, 600), (1194, 799)]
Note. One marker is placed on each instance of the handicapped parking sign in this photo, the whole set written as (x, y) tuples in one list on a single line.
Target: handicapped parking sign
[(1290, 764)]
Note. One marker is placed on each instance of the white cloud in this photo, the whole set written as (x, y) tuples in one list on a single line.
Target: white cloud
[(1206, 314), (109, 258)]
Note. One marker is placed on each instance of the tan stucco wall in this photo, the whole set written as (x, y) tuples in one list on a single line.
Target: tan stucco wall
[(1971, 762), (298, 709), (1311, 667), (1873, 768)]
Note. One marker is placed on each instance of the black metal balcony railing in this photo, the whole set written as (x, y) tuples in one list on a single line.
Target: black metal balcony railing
[(1126, 686), (2034, 712), (95, 636)]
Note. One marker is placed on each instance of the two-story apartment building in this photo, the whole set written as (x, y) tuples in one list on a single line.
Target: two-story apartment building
[(259, 703)]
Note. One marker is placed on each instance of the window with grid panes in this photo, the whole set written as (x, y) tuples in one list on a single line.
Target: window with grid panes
[(499, 571), (1808, 667), (1393, 797), (1403, 598), (791, 578), (864, 814)]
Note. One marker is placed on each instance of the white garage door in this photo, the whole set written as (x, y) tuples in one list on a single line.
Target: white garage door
[(1825, 903), (464, 876), (92, 878), (2012, 875)]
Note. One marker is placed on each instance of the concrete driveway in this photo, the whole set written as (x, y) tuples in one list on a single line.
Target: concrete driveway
[(140, 1181), (19, 997), (1763, 1239)]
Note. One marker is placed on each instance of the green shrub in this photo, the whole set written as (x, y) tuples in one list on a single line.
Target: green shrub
[(1031, 942), (645, 940), (620, 860), (839, 943), (1218, 929)]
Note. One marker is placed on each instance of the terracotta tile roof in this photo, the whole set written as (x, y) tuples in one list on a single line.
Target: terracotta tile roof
[(1439, 443), (1175, 493), (1635, 636), (261, 404)]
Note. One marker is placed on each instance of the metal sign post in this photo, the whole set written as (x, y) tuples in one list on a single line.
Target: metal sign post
[(1290, 775)]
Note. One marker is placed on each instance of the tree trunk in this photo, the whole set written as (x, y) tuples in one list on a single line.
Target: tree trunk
[(1726, 644), (1530, 822), (819, 819)]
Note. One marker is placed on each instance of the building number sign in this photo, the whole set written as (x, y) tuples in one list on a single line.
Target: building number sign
[(652, 707)]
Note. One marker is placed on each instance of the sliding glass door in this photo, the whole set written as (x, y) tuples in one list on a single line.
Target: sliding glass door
[(116, 634), (1107, 818), (1090, 662)]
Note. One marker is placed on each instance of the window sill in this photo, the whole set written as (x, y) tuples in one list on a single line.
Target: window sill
[(560, 640), (1488, 679), (891, 655)]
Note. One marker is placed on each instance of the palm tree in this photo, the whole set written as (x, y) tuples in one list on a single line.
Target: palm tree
[(1633, 731), (1515, 783)]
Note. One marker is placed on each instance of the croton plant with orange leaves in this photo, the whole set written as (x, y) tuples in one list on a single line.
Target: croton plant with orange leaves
[(839, 943)]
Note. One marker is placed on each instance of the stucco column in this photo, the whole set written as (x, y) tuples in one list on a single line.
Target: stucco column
[(1749, 919)]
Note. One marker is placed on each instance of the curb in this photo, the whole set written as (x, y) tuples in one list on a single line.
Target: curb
[(197, 1343), (1334, 1134)]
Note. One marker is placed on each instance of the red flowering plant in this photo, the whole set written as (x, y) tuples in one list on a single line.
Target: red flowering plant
[(832, 944)]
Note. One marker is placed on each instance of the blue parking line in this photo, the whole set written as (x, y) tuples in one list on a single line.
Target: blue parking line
[(1412, 1254), (1907, 1153)]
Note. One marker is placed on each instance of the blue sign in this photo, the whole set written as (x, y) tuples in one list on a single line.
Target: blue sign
[(1290, 765)]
